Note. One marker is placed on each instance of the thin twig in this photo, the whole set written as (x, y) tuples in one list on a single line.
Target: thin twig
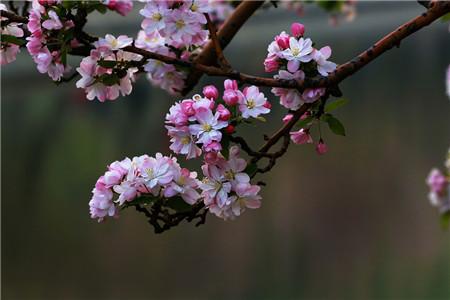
[(219, 53)]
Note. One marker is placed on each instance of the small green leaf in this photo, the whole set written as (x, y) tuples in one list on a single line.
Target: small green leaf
[(335, 125), (335, 104), (445, 18), (6, 38), (107, 63), (304, 122), (178, 204), (251, 169), (261, 118)]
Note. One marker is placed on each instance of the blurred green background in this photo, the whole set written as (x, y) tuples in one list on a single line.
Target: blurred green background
[(353, 224)]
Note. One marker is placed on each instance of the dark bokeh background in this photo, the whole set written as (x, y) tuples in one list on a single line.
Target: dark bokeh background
[(353, 224)]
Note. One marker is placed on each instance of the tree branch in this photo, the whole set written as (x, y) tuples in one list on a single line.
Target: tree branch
[(219, 53)]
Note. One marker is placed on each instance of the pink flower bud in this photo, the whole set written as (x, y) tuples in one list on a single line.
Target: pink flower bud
[(187, 107), (230, 84), (321, 148), (267, 105), (287, 118), (297, 29), (282, 40), (210, 92), (212, 147), (271, 64), (224, 114), (305, 115), (301, 137), (229, 129), (231, 97)]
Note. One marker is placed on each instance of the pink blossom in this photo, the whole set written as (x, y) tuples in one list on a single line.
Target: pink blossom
[(53, 23), (185, 184), (289, 98), (187, 107), (110, 42), (301, 137), (297, 29), (184, 26), (8, 53), (287, 118), (156, 171), (212, 147), (101, 204), (230, 84), (224, 114), (214, 186), (176, 115), (321, 147), (155, 13), (232, 97), (312, 95), (323, 66), (208, 127), (210, 92), (183, 142), (123, 7), (271, 63), (299, 51), (437, 181), (252, 105), (246, 197), (282, 40)]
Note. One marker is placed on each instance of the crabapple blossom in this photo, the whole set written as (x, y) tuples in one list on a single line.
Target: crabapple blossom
[(298, 52), (110, 42), (210, 92), (8, 51), (301, 136), (253, 103), (436, 181), (297, 29), (324, 67), (439, 185), (122, 7), (208, 127)]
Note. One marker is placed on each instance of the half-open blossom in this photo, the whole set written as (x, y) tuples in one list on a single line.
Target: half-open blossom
[(297, 29), (301, 136), (122, 7), (324, 67)]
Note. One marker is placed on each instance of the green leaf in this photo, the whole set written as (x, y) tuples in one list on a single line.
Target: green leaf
[(261, 118), (107, 63), (6, 38), (251, 169), (445, 18), (178, 204), (335, 125), (304, 122), (335, 104)]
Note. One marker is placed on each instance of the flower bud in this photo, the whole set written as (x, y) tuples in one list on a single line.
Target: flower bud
[(282, 40), (230, 84), (321, 147), (271, 64), (229, 129), (211, 158), (267, 105), (231, 97), (297, 29), (187, 107), (287, 118), (211, 92), (224, 114), (212, 147)]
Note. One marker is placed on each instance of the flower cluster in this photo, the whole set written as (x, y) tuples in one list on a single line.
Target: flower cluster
[(202, 120), (9, 50), (226, 188), (295, 58), (142, 176), (50, 38), (439, 184), (176, 29), (108, 71)]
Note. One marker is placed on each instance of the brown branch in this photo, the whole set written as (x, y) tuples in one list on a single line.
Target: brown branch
[(229, 29), (213, 36), (12, 17)]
